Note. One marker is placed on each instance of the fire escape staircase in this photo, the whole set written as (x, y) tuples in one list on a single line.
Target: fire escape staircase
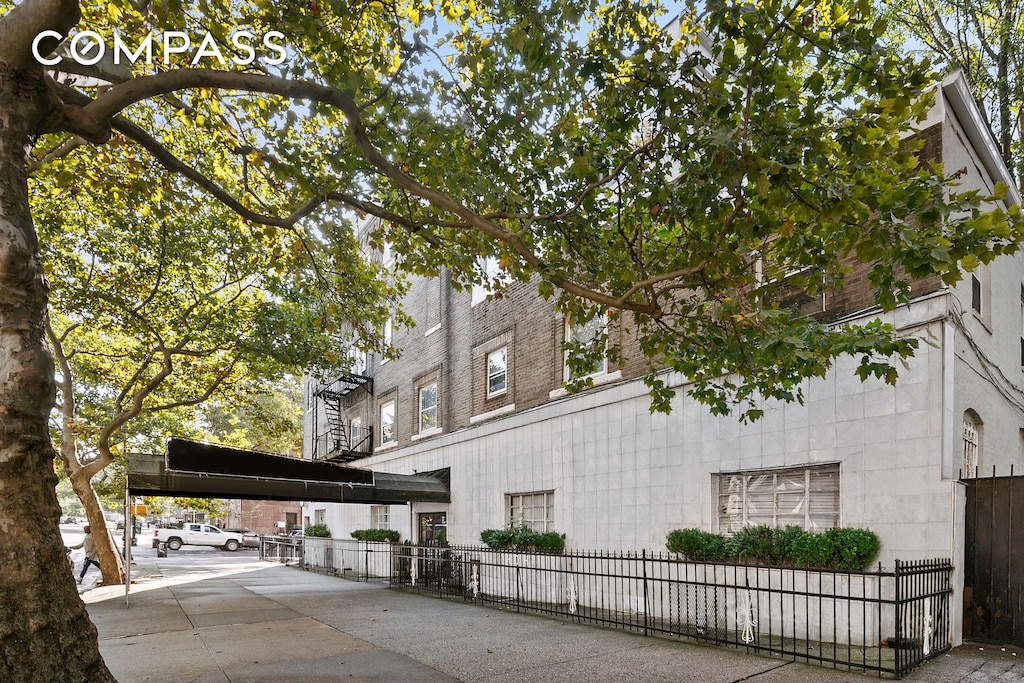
[(336, 440)]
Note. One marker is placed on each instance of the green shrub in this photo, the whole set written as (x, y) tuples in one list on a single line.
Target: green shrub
[(496, 538), (381, 535), (852, 549), (753, 544), (317, 530), (523, 538), (812, 551), (549, 542), (841, 549), (784, 544), (697, 545)]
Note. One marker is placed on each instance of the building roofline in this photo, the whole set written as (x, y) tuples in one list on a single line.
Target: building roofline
[(957, 92)]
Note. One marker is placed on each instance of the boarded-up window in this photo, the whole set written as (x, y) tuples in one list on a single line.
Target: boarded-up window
[(807, 497)]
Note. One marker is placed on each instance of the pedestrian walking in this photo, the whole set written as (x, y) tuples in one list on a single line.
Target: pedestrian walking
[(91, 556)]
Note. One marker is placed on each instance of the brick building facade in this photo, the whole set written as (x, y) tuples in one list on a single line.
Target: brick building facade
[(599, 467), (265, 517)]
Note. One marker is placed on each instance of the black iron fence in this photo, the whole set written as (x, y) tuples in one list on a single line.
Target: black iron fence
[(885, 621)]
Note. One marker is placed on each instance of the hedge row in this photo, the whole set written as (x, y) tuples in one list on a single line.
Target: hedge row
[(790, 546), (384, 535), (317, 531), (523, 538)]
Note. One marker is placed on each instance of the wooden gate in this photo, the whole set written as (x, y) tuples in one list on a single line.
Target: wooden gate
[(994, 560)]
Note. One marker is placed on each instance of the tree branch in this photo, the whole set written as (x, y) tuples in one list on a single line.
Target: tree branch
[(217, 383), (107, 105), (172, 163), (59, 153), (67, 396), (20, 26), (122, 417)]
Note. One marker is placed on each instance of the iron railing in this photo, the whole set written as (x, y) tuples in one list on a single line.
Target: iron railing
[(281, 549), (342, 442), (884, 621)]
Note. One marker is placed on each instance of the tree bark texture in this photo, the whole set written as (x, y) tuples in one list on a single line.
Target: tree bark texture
[(45, 632)]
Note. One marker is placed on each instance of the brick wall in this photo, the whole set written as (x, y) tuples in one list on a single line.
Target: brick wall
[(452, 338), (262, 516), (455, 356), (856, 294)]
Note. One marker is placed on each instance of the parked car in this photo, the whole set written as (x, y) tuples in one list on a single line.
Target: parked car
[(250, 539), (196, 534), (297, 533)]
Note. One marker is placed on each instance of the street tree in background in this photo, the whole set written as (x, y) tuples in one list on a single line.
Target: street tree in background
[(984, 38), (267, 417), (664, 179), (164, 310)]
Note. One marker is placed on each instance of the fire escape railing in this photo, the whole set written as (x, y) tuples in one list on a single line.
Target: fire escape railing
[(335, 437)]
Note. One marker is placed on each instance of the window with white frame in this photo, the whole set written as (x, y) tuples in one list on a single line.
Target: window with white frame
[(428, 407), (380, 517), (387, 339), (319, 516), (387, 422), (497, 372), (589, 335), (387, 256), (432, 294), (357, 361), (355, 428), (971, 443), (534, 510), (493, 274), (807, 497)]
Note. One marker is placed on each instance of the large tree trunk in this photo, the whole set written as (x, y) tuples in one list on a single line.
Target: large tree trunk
[(81, 475), (110, 560), (45, 632)]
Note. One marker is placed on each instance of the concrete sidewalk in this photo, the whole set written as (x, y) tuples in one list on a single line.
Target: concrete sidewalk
[(210, 616)]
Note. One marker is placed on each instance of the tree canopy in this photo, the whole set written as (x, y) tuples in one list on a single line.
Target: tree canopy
[(985, 38), (172, 305), (666, 176)]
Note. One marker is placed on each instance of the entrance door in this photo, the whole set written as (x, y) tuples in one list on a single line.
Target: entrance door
[(436, 566), (433, 528), (994, 560)]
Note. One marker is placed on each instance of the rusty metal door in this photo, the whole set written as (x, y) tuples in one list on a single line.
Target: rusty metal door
[(994, 560)]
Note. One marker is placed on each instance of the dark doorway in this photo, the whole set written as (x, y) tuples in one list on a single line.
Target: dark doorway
[(436, 565), (433, 528), (994, 560)]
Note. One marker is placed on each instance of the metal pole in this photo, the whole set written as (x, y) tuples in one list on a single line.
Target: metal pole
[(129, 527)]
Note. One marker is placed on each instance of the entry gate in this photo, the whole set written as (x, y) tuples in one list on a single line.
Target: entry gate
[(994, 560)]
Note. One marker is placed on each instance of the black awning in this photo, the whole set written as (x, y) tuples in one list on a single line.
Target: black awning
[(193, 456), (207, 471)]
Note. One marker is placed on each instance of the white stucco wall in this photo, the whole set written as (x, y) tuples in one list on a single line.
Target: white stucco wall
[(988, 372), (623, 478)]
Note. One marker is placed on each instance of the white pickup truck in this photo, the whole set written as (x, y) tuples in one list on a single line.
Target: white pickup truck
[(197, 534)]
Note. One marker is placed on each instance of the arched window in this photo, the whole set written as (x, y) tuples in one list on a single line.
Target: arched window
[(971, 443)]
